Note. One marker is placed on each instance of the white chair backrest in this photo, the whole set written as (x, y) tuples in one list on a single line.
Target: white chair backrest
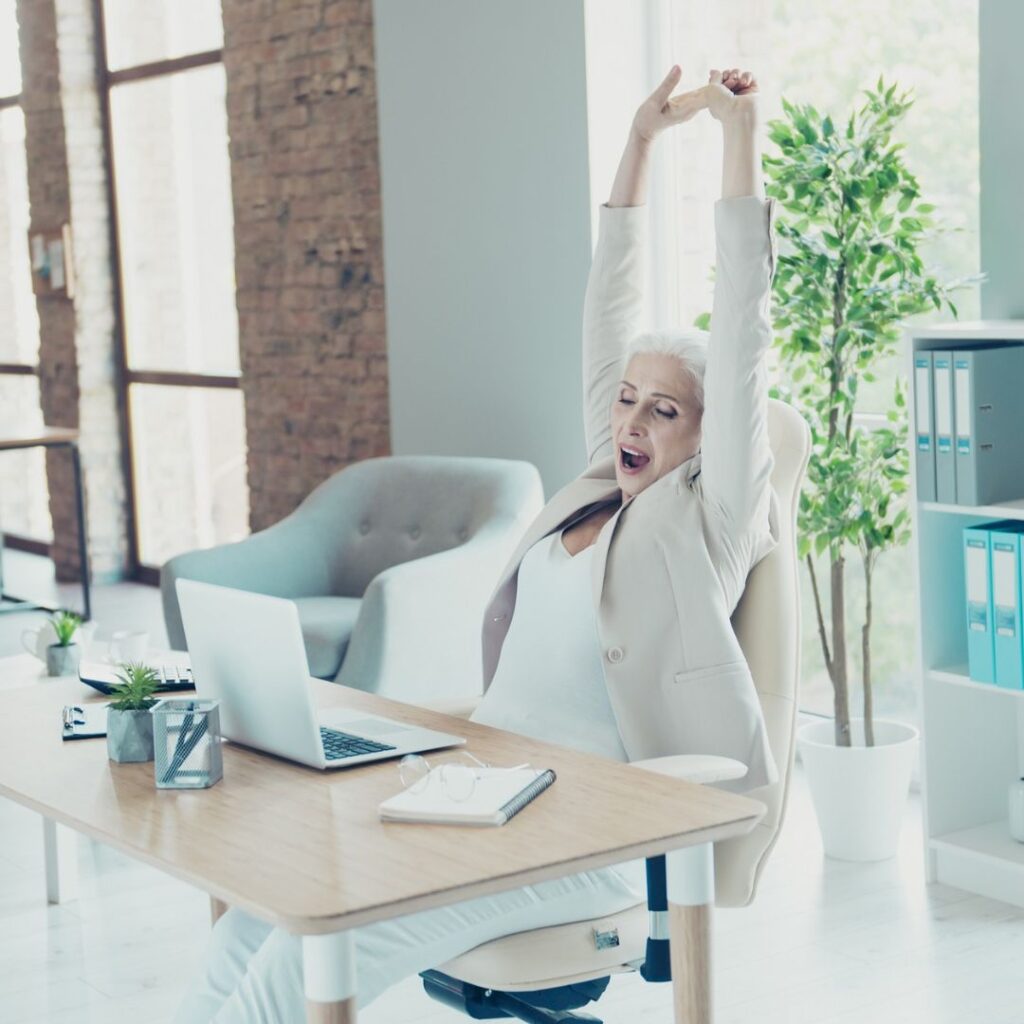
[(767, 623)]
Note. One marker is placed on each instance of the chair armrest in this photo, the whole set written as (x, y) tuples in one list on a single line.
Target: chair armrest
[(699, 768), (457, 707), (417, 637), (288, 559)]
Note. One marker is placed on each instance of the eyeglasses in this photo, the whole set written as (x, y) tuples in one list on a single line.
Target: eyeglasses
[(458, 776)]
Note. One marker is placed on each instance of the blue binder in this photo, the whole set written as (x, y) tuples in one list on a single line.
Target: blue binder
[(977, 570), (924, 426), (1005, 548)]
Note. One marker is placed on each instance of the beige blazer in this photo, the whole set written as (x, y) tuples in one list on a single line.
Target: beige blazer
[(670, 566)]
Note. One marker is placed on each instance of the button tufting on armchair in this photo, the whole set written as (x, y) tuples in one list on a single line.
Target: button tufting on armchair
[(390, 563)]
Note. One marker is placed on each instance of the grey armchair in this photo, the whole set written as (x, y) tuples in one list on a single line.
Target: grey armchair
[(390, 562)]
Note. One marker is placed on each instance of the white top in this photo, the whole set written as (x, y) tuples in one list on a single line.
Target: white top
[(549, 683)]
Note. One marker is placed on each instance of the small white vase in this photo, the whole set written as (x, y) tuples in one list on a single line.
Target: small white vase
[(859, 792)]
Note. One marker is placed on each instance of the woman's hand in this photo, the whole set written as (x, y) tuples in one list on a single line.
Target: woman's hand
[(662, 110), (732, 96)]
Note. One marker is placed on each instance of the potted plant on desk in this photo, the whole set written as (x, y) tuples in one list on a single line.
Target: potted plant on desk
[(129, 723), (62, 658), (849, 276)]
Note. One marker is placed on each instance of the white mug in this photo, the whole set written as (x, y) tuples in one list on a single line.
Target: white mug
[(35, 641), (128, 645)]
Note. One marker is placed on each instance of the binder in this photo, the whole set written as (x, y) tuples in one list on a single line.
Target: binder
[(977, 569), (945, 464), (924, 429), (1004, 542), (988, 422)]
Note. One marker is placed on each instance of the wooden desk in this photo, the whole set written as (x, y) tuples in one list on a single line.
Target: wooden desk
[(55, 437), (305, 849)]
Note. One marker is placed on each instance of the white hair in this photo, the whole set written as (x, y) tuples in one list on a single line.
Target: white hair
[(689, 347)]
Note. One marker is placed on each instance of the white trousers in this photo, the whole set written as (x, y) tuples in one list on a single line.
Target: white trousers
[(254, 971)]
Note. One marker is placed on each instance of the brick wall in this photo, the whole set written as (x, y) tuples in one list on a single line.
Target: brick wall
[(302, 119), (67, 184)]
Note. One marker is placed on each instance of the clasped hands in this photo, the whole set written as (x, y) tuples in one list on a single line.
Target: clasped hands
[(730, 95)]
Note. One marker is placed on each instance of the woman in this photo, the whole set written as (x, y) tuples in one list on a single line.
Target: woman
[(622, 589)]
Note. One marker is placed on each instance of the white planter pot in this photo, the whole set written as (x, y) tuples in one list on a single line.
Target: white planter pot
[(859, 792)]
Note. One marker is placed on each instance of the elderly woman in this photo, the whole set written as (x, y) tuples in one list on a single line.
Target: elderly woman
[(609, 630)]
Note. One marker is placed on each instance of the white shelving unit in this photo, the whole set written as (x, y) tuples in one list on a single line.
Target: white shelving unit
[(972, 741)]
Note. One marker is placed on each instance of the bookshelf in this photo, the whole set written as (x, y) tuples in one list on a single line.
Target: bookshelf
[(972, 735)]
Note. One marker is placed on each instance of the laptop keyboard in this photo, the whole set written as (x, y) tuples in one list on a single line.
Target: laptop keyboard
[(342, 744)]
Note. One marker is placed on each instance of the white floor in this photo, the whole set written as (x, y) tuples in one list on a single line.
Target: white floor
[(824, 943)]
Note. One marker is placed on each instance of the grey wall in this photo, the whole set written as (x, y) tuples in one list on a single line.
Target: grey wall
[(1001, 127), (487, 229)]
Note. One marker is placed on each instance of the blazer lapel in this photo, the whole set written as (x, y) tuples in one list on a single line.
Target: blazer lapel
[(593, 487)]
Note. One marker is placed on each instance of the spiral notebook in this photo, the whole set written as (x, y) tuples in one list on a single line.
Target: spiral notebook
[(499, 794)]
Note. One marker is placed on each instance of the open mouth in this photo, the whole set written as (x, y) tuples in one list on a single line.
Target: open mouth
[(632, 460)]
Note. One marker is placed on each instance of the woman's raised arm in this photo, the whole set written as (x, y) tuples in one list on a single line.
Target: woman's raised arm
[(736, 459), (614, 300)]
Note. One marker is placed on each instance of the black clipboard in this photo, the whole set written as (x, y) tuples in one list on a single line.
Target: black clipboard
[(83, 721)]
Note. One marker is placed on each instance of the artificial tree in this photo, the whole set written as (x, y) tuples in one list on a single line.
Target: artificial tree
[(848, 274)]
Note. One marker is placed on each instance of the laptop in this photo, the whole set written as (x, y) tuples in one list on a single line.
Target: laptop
[(247, 651)]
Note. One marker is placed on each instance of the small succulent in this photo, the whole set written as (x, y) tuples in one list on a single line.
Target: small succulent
[(137, 684), (65, 625)]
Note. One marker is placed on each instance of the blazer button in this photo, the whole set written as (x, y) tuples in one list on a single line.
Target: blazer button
[(615, 655)]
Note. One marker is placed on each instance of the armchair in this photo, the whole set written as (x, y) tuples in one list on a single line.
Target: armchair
[(390, 563), (541, 976)]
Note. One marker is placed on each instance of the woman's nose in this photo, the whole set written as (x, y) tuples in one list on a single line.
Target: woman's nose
[(634, 423)]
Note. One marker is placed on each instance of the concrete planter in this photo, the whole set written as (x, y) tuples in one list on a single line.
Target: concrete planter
[(129, 736), (63, 660), (859, 792)]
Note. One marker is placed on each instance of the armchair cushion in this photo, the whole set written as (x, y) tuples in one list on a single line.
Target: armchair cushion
[(327, 624), (560, 955)]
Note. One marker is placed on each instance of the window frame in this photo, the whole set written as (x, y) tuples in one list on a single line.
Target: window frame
[(108, 80), (16, 541)]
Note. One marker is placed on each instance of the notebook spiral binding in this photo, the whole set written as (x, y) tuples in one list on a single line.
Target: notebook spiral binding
[(534, 789)]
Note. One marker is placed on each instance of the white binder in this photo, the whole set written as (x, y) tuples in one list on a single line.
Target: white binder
[(945, 454)]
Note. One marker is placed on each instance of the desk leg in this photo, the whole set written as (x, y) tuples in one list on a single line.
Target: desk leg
[(329, 978), (690, 874), (60, 850)]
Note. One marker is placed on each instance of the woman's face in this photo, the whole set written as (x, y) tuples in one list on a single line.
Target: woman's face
[(655, 421)]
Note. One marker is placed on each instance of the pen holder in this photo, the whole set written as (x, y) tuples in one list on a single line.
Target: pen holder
[(186, 742)]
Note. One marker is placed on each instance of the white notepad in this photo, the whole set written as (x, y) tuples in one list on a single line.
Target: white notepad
[(499, 794)]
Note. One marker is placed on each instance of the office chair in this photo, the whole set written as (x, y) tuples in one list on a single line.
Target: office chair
[(541, 976), (390, 562)]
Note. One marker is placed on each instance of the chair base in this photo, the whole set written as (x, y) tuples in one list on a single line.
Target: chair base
[(544, 1006)]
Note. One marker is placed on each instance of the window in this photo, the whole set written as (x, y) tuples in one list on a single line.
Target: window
[(826, 54), (24, 506), (168, 130)]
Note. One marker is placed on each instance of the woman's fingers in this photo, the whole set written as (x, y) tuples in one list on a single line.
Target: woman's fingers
[(670, 81), (686, 105), (733, 79)]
